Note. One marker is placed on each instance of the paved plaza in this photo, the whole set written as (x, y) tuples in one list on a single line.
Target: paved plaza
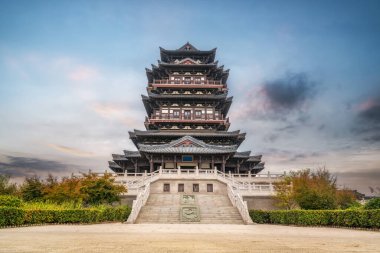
[(118, 237)]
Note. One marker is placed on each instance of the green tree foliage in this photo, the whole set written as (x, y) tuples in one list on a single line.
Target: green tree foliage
[(99, 190), (346, 199), (373, 204), (88, 189), (7, 188), (313, 191), (32, 189), (285, 194)]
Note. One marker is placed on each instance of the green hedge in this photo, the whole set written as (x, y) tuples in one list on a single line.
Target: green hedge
[(342, 218), (11, 216), (11, 201)]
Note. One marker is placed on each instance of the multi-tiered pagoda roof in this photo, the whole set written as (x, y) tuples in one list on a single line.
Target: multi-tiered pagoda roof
[(187, 125)]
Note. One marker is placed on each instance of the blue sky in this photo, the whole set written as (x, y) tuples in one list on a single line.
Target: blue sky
[(304, 76)]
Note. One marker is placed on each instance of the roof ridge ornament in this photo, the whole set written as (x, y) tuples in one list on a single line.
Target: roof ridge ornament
[(187, 47)]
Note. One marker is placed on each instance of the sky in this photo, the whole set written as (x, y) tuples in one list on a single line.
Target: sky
[(304, 75)]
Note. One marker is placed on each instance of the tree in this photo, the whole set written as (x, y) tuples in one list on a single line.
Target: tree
[(346, 198), (284, 196), (7, 188), (89, 189), (312, 190), (99, 190), (315, 190), (67, 190), (32, 189)]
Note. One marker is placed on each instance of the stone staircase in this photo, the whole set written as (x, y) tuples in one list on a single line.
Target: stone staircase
[(165, 208)]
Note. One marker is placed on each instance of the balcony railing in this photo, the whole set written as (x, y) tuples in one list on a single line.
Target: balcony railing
[(188, 117), (188, 82)]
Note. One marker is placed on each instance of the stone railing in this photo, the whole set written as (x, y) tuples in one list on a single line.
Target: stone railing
[(246, 184), (140, 201), (238, 202)]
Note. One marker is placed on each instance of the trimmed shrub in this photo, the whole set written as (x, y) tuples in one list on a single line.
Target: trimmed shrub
[(11, 216), (9, 200), (343, 218), (259, 216), (90, 215), (373, 204), (120, 213)]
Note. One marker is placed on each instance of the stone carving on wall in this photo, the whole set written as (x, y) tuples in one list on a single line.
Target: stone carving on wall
[(187, 199), (190, 214)]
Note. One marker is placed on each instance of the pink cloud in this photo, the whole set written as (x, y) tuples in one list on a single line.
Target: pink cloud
[(366, 105), (116, 111), (83, 73), (70, 150)]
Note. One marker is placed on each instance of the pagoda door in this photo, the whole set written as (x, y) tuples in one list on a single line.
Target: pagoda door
[(187, 114)]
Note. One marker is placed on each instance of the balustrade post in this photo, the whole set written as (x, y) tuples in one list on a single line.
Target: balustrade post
[(268, 174), (196, 170), (160, 170), (249, 174), (145, 174)]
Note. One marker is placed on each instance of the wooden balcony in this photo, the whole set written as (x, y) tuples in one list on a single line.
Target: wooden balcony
[(209, 119), (187, 83)]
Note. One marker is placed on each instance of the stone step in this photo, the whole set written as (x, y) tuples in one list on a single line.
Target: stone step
[(165, 208)]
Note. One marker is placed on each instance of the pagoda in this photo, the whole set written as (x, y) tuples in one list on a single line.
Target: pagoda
[(186, 124)]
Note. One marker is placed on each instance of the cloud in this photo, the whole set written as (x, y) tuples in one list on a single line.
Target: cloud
[(109, 110), (303, 156), (367, 122), (20, 166), (370, 110), (119, 112), (271, 138), (286, 98), (69, 150), (83, 73), (290, 92), (360, 179)]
